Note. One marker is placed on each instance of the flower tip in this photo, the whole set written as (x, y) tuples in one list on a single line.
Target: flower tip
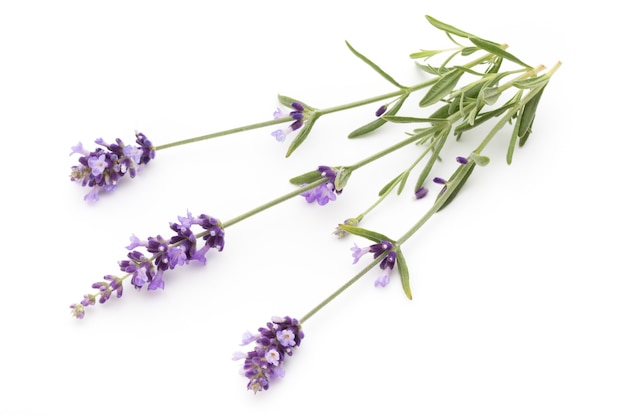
[(421, 193)]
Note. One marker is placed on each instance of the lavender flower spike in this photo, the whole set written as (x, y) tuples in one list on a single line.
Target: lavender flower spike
[(160, 255), (273, 343), (102, 169)]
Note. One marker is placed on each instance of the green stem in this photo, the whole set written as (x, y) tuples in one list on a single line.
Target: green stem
[(340, 290), (328, 110), (225, 132), (272, 203)]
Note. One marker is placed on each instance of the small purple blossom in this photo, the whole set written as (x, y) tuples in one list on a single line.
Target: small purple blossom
[(386, 265), (102, 169), (378, 249), (298, 116), (421, 193), (325, 192), (462, 160), (161, 255), (381, 110), (273, 343)]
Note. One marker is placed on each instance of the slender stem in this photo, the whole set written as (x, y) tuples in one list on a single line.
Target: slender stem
[(272, 203), (340, 290), (393, 148), (225, 132), (333, 109)]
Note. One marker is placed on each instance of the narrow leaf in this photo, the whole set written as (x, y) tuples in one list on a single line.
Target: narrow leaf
[(441, 137), (513, 141), (462, 173), (302, 134), (528, 113), (482, 118), (374, 66), (408, 119), (390, 184), (375, 124), (481, 160), (441, 88), (424, 54), (286, 101), (495, 49), (534, 82), (448, 28), (403, 269), (306, 178), (367, 234)]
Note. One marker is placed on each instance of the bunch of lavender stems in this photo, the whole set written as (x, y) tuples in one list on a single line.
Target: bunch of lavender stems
[(460, 110)]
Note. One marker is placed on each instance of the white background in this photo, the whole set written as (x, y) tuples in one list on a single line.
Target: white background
[(519, 286)]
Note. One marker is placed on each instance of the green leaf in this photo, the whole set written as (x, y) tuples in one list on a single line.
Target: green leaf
[(425, 54), (480, 160), (302, 133), (408, 119), (482, 118), (405, 177), (441, 88), (343, 174), (513, 141), (489, 95), (287, 101), (403, 269), (390, 184), (367, 234), (375, 124), (440, 137), (462, 173), (528, 114), (448, 28), (469, 50), (497, 50), (374, 66), (306, 178), (534, 82), (429, 69)]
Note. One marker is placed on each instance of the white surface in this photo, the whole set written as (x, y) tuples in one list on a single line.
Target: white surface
[(518, 286)]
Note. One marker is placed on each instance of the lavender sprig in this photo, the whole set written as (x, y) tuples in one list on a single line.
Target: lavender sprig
[(161, 255), (102, 169), (273, 344)]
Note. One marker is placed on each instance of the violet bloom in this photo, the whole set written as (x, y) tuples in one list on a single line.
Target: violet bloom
[(386, 265), (324, 192), (274, 343), (421, 193), (378, 249), (102, 169), (298, 116), (160, 255)]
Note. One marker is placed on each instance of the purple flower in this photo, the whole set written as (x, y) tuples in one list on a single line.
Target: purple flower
[(378, 249), (274, 343), (381, 110), (386, 265), (160, 255), (102, 169), (298, 116), (421, 193), (325, 192), (462, 160)]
